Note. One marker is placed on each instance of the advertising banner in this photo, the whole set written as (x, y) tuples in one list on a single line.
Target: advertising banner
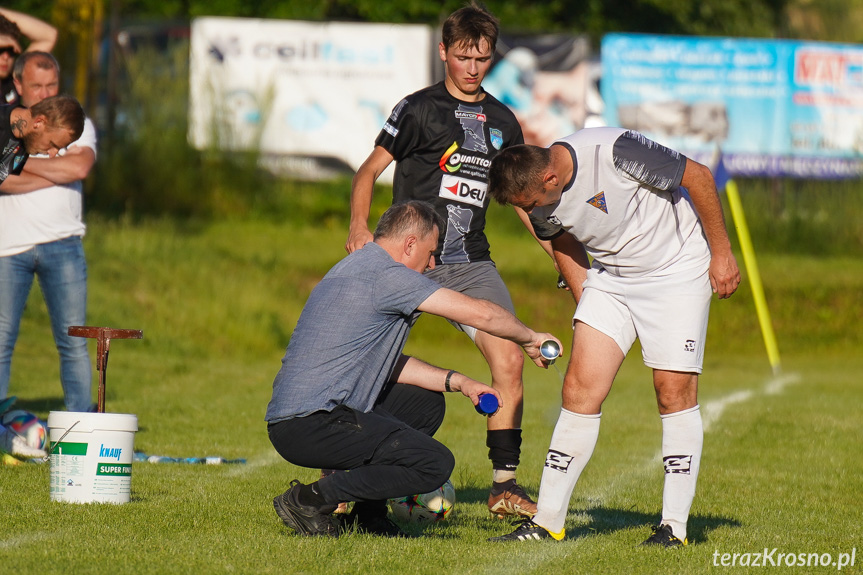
[(773, 107), (550, 82), (310, 96)]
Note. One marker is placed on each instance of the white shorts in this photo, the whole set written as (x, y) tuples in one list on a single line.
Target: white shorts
[(668, 314)]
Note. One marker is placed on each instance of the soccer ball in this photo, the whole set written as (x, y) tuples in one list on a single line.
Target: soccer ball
[(425, 507), (26, 426)]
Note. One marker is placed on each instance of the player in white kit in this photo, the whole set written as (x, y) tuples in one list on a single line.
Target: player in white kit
[(651, 221)]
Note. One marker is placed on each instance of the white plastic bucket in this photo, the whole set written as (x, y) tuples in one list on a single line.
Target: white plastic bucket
[(91, 456)]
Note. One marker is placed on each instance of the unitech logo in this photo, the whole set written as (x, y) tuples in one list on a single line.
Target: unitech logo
[(452, 160)]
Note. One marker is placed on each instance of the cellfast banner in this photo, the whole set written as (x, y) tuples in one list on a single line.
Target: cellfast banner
[(311, 96), (773, 107)]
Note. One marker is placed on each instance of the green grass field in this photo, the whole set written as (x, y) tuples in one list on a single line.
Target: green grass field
[(217, 302)]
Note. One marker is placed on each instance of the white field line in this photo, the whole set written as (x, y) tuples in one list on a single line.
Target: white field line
[(711, 411), (26, 539)]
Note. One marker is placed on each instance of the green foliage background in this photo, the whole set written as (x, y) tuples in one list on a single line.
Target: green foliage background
[(835, 20)]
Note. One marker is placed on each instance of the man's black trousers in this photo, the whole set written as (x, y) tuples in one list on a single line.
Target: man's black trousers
[(388, 452)]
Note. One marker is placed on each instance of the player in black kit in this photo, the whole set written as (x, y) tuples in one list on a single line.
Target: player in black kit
[(443, 139)]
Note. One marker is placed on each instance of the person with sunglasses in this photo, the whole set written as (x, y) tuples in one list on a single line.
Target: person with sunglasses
[(15, 26)]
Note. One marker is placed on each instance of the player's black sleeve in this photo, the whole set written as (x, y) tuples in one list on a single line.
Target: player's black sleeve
[(544, 229), (400, 134)]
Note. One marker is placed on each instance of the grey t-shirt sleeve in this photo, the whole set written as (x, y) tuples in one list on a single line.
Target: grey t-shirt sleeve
[(647, 162), (404, 290)]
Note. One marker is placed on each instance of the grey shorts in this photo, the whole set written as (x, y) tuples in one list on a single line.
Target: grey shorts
[(477, 279)]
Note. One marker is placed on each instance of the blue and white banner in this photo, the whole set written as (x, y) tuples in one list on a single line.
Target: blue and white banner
[(773, 107)]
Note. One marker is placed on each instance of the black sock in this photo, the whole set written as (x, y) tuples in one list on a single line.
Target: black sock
[(504, 448), (376, 508), (497, 488)]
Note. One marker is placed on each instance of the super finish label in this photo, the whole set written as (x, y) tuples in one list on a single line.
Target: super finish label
[(114, 469)]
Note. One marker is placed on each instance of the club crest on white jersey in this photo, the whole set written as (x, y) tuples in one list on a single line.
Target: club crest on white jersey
[(463, 190)]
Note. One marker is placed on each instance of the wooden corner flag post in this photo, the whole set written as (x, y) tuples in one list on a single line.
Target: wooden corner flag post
[(754, 277), (103, 335)]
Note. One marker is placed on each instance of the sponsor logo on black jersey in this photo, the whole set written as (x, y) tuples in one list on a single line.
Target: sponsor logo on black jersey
[(463, 190), (452, 160), (472, 120), (469, 115)]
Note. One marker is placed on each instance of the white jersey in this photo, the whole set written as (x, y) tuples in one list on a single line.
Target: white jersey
[(45, 215), (625, 205)]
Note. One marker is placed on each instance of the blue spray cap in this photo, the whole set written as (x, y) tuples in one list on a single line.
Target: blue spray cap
[(487, 404)]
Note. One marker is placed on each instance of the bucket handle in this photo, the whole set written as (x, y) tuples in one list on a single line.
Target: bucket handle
[(56, 443)]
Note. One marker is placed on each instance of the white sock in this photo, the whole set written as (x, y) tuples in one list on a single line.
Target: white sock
[(571, 446), (682, 439), (502, 475)]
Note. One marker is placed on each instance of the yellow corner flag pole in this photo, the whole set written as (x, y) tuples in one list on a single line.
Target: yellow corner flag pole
[(754, 277)]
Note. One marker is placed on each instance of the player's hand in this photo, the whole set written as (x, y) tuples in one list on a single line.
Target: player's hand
[(357, 238), (561, 283), (724, 275), (532, 349)]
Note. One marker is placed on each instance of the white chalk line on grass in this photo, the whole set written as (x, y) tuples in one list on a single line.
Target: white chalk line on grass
[(26, 539), (711, 411)]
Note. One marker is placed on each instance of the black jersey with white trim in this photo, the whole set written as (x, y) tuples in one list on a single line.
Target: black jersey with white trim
[(8, 93), (443, 148), (12, 152)]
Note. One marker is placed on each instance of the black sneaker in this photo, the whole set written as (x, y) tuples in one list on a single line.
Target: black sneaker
[(664, 536), (304, 519), (528, 530)]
